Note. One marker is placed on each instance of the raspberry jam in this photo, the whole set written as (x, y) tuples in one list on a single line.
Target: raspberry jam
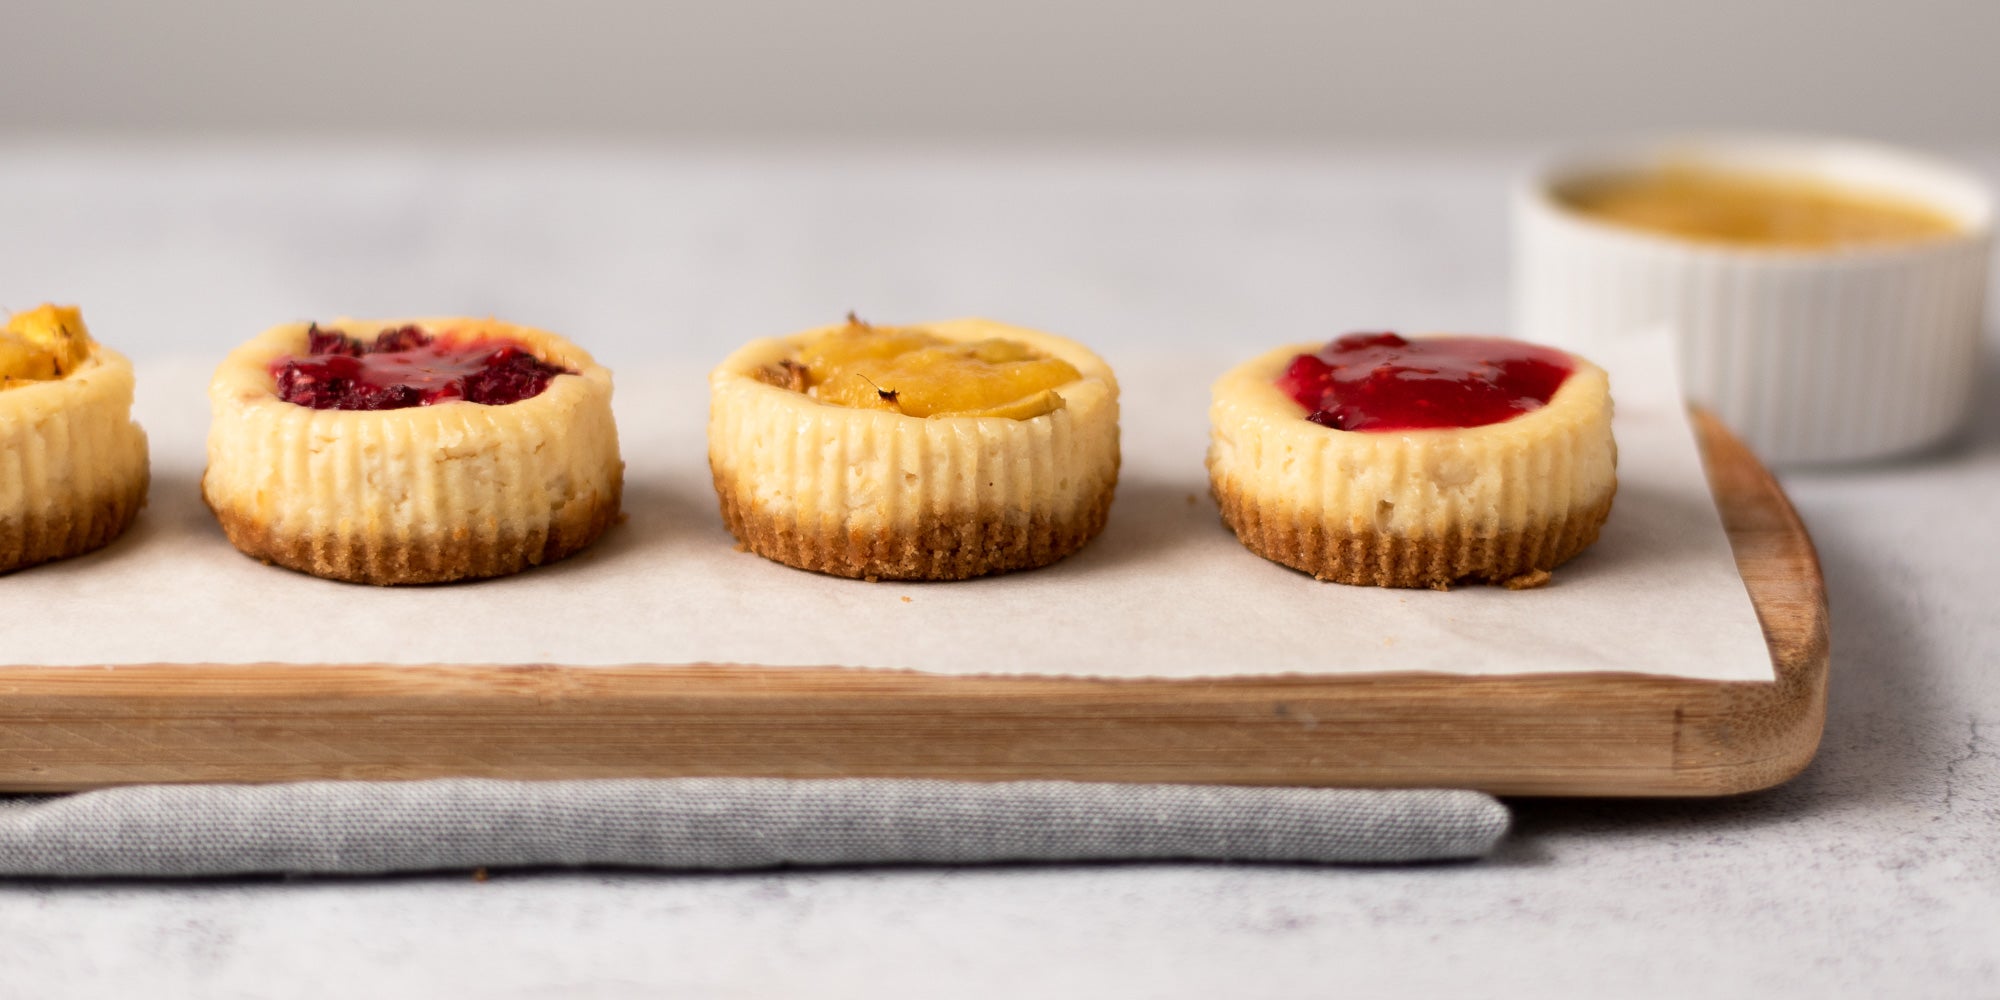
[(408, 367), (1381, 382)]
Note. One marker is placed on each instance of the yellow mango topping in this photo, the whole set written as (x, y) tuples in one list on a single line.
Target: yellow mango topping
[(42, 344), (919, 374), (1793, 213)]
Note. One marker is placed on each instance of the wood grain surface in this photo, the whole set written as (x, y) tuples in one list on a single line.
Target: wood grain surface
[(1608, 734)]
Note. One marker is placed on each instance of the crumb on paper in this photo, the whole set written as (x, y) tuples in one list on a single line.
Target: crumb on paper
[(1192, 499), (479, 875), (1388, 640), (906, 598), (1526, 581)]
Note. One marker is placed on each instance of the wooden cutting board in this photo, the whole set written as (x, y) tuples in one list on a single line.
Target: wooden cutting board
[(68, 728)]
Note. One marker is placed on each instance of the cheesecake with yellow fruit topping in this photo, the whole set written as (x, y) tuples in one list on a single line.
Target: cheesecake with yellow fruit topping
[(1414, 463), (411, 450), (73, 469), (936, 452)]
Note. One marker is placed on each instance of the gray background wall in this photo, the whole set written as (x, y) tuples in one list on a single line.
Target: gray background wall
[(1286, 71)]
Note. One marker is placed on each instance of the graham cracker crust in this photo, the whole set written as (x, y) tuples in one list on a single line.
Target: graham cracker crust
[(459, 554), (36, 539), (935, 549), (1517, 559)]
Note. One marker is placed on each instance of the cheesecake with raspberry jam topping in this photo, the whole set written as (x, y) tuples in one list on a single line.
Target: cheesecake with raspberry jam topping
[(411, 451), (1414, 462)]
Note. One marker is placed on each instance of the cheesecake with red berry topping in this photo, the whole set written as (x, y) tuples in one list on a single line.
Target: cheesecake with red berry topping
[(411, 451), (1416, 462), (73, 465)]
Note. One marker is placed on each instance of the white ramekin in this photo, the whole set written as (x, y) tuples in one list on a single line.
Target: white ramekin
[(1811, 356)]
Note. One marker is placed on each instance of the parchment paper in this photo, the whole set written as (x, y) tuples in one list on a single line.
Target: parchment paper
[(1165, 592)]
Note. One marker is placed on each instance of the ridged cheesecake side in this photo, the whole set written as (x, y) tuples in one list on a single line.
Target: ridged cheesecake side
[(1423, 508), (425, 494)]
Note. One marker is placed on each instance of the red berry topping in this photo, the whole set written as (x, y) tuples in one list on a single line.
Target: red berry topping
[(408, 367), (1381, 382)]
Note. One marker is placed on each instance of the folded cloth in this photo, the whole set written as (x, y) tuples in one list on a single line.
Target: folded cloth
[(719, 823)]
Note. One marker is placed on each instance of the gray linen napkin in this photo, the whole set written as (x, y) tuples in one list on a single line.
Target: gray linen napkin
[(714, 823)]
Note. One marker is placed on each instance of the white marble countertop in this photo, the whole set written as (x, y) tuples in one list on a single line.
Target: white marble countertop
[(1874, 873)]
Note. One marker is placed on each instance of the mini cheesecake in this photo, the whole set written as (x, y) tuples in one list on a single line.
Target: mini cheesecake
[(411, 451), (936, 452), (1382, 461), (73, 466)]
